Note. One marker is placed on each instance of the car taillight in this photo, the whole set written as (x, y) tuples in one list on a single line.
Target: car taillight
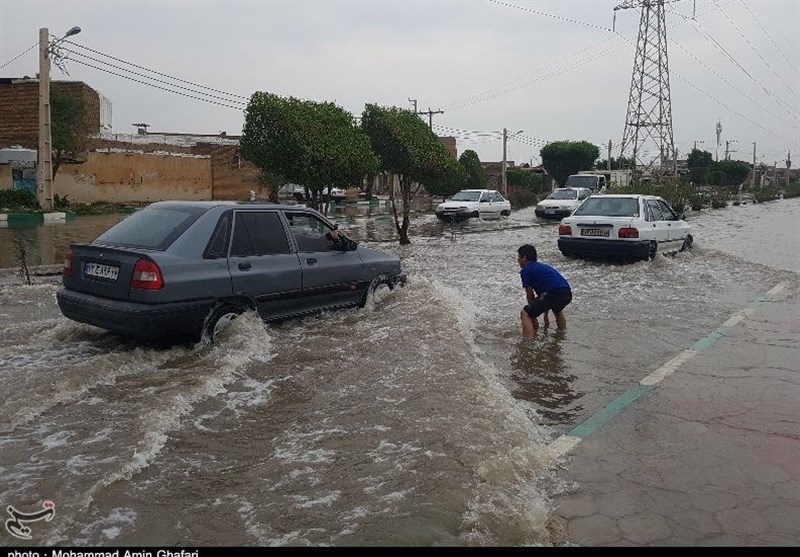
[(147, 276), (628, 232), (564, 230), (68, 264)]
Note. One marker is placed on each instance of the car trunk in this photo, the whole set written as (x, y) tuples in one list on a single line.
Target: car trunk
[(102, 271), (601, 228)]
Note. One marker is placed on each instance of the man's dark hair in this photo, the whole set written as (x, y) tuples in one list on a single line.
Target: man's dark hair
[(528, 251)]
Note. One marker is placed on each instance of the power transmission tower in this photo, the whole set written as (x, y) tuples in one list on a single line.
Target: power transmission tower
[(648, 122)]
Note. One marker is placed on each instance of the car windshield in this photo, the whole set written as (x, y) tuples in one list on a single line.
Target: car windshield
[(151, 228), (581, 181), (563, 194), (466, 196), (609, 207)]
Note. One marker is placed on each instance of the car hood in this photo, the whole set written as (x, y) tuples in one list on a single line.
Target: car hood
[(456, 204)]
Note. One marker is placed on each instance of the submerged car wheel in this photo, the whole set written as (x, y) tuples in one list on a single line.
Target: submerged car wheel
[(505, 213), (377, 289), (220, 319), (652, 250), (687, 243)]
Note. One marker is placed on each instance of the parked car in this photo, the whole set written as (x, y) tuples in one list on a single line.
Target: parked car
[(595, 182), (623, 226), (180, 268), (468, 204), (298, 193), (560, 202)]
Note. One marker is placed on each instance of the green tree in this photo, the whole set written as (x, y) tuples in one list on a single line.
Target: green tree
[(699, 175), (69, 127), (407, 148), (476, 174), (616, 164), (312, 143), (520, 178), (735, 172), (452, 179), (564, 158), (699, 159)]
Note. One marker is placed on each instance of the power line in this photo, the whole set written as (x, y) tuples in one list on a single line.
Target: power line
[(562, 18), (157, 87), (153, 71), (768, 35), (20, 55), (153, 78)]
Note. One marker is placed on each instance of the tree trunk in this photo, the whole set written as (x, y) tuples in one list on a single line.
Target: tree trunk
[(405, 190)]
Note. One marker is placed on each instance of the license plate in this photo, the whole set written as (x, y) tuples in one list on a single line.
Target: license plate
[(98, 270), (594, 232)]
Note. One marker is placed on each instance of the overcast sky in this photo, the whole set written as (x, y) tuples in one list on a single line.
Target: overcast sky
[(553, 69)]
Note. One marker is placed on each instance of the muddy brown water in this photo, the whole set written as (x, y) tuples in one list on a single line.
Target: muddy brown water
[(421, 419)]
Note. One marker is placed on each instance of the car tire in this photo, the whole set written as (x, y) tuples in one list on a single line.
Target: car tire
[(687, 243), (505, 213), (567, 254), (377, 284), (652, 250), (219, 318)]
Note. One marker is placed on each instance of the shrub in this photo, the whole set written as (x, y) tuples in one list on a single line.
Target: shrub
[(18, 200), (521, 197), (792, 190), (765, 193)]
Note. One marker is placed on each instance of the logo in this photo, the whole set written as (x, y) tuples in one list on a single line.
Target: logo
[(16, 524)]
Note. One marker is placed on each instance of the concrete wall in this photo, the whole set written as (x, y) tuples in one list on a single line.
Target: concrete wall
[(121, 177), (6, 180)]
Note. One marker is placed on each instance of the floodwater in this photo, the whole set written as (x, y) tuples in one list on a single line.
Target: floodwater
[(422, 419)]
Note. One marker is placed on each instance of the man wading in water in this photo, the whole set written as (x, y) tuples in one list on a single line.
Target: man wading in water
[(545, 289)]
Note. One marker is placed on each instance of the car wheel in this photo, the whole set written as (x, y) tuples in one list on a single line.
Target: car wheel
[(652, 250), (219, 319), (475, 214), (567, 253), (505, 213), (687, 243), (379, 286)]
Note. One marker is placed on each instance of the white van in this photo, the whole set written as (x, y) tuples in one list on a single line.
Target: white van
[(595, 182)]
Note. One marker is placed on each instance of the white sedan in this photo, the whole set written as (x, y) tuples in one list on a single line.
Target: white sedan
[(560, 202), (468, 204), (623, 226)]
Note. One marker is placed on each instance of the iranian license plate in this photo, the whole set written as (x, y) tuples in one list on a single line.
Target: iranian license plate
[(595, 232), (98, 270)]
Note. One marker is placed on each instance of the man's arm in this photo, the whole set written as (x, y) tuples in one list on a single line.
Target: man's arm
[(530, 294)]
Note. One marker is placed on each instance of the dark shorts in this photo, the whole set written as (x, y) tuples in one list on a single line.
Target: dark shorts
[(554, 300)]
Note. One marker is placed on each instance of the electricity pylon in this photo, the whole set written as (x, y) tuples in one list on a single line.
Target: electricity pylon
[(648, 122)]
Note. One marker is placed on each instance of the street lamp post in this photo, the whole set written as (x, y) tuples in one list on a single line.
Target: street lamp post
[(44, 166), (503, 179)]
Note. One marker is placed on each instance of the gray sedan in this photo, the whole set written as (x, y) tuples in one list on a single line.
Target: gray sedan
[(182, 269)]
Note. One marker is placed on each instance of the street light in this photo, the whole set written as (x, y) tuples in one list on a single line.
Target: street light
[(44, 167)]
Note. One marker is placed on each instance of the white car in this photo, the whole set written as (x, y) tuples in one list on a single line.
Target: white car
[(560, 202), (623, 226), (468, 204)]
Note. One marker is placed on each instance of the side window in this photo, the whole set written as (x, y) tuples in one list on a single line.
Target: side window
[(668, 213), (218, 244), (309, 231), (653, 211), (258, 233)]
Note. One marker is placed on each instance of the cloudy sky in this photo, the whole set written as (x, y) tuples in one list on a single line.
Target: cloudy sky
[(553, 69)]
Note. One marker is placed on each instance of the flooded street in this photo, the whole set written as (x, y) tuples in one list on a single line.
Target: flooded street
[(421, 419)]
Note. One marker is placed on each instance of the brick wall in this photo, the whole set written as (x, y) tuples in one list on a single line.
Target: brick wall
[(19, 110)]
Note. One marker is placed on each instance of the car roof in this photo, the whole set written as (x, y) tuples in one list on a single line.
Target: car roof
[(220, 203), (474, 190), (573, 188), (629, 196)]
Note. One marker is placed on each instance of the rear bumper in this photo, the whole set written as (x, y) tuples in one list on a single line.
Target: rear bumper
[(621, 249), (132, 319)]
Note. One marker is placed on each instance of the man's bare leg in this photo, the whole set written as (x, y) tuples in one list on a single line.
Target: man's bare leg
[(529, 325)]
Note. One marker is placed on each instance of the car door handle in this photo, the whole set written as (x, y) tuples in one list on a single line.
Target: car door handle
[(244, 266), (311, 260)]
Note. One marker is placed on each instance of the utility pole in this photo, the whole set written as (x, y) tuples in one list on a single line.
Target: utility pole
[(430, 114), (44, 164), (719, 133), (753, 181), (609, 156), (503, 179), (728, 150)]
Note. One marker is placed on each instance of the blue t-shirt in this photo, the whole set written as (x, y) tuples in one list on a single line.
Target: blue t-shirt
[(542, 278)]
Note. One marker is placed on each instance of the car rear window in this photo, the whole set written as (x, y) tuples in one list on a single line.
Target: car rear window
[(151, 228), (609, 207)]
